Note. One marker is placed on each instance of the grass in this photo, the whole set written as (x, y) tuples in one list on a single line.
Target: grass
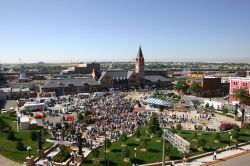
[(154, 147), (224, 114), (8, 147)]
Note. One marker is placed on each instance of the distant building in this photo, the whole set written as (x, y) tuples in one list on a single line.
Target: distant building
[(15, 93), (86, 68), (210, 86), (23, 78), (236, 83), (153, 72), (120, 79), (69, 86), (158, 81)]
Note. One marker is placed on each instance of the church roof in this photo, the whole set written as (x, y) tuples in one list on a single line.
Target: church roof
[(117, 74), (140, 53)]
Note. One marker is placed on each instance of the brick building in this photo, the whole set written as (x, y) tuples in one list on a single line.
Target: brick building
[(210, 86), (236, 83)]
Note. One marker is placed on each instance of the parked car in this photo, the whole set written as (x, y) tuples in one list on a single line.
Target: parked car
[(226, 126)]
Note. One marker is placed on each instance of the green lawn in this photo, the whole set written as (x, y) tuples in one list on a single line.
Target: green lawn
[(154, 147), (8, 147), (224, 114)]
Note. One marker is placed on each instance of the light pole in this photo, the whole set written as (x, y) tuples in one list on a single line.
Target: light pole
[(135, 152), (29, 149), (73, 157), (105, 146), (230, 138)]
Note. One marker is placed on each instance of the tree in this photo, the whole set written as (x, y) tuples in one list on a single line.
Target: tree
[(196, 103), (138, 133), (20, 145), (181, 86), (95, 153), (236, 128), (154, 124), (207, 107), (125, 153), (124, 137), (235, 134), (194, 88), (108, 143), (33, 136), (11, 135), (241, 94), (178, 127)]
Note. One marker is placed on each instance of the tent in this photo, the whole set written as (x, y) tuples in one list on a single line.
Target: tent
[(157, 102)]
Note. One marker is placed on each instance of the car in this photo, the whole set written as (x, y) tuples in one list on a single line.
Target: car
[(226, 126)]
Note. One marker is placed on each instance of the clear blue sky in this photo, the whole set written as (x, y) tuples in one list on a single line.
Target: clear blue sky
[(112, 30)]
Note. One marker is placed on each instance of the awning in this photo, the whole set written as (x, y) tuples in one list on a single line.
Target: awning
[(157, 102)]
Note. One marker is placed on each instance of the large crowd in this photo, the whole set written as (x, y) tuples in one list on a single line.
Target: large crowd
[(112, 115)]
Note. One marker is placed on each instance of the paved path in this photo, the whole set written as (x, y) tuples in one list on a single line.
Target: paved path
[(6, 162), (243, 160), (208, 159)]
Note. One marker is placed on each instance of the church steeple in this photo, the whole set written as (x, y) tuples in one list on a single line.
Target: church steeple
[(139, 67), (140, 53)]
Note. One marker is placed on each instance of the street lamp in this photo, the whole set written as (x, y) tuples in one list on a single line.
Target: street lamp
[(230, 138), (135, 152), (73, 157), (29, 149)]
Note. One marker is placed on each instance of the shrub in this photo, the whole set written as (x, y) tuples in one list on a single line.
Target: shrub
[(199, 127), (225, 110), (217, 136), (235, 134), (159, 133), (95, 153), (124, 137), (236, 128), (125, 153), (194, 136), (201, 142), (138, 133), (33, 136), (178, 127), (143, 143), (63, 155), (20, 145), (108, 143), (11, 135)]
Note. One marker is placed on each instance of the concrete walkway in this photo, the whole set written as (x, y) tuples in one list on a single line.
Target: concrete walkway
[(7, 162), (208, 160)]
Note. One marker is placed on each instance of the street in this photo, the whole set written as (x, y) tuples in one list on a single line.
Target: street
[(243, 160)]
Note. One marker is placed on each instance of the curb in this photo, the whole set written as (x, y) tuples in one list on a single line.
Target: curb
[(226, 158)]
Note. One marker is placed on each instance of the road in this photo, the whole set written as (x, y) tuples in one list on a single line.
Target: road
[(243, 160)]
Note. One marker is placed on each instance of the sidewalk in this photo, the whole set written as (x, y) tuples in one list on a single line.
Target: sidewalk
[(6, 162), (209, 159)]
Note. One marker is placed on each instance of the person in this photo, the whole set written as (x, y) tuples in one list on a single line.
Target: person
[(184, 160), (214, 158)]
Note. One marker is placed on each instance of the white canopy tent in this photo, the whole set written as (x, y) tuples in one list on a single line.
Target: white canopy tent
[(157, 102)]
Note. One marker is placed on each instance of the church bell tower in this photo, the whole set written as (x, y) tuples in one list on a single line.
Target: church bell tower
[(139, 68)]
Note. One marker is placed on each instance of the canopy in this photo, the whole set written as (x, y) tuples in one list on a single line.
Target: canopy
[(157, 101)]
